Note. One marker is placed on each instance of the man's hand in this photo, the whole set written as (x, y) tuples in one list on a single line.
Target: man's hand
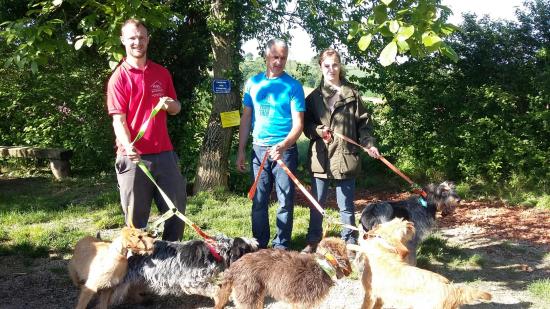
[(132, 154), (170, 105), (240, 162), (276, 152)]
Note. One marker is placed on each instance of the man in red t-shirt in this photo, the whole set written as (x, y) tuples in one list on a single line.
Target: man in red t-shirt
[(136, 86)]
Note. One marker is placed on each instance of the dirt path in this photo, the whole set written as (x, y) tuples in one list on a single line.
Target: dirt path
[(513, 243)]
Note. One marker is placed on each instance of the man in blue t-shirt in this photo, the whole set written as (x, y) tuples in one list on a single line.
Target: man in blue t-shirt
[(274, 108)]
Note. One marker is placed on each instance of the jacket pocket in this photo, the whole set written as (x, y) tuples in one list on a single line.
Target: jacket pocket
[(318, 157), (350, 163)]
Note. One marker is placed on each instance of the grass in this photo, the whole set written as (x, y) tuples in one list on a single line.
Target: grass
[(40, 217), (435, 250), (541, 289)]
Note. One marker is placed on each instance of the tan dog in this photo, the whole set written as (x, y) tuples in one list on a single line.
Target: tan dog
[(98, 266), (302, 280), (388, 280)]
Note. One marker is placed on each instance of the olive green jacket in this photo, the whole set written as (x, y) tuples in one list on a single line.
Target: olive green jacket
[(338, 159)]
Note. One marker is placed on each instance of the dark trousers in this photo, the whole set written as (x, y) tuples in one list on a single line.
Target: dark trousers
[(137, 191)]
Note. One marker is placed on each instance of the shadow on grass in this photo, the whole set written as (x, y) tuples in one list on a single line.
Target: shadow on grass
[(514, 266)]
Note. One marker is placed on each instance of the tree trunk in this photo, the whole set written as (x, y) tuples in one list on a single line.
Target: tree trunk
[(213, 163)]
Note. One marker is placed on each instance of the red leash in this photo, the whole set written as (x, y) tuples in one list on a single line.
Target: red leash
[(391, 166), (252, 190)]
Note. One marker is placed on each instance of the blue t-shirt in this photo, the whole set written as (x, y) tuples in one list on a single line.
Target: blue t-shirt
[(272, 101)]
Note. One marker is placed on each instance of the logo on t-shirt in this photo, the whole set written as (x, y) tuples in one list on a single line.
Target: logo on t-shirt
[(157, 90)]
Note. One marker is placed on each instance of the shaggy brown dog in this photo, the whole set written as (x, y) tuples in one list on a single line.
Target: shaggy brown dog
[(98, 266), (388, 280), (302, 280)]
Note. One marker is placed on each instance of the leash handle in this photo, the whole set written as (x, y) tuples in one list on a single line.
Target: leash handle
[(252, 190), (301, 187)]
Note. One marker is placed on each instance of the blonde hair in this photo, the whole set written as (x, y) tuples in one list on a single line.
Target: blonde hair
[(135, 22)]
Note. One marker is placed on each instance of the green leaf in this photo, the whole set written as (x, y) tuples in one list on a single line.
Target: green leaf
[(48, 31), (403, 46), (34, 67), (387, 56), (78, 43), (449, 52), (429, 38), (380, 14), (386, 2), (394, 26), (364, 42), (405, 33)]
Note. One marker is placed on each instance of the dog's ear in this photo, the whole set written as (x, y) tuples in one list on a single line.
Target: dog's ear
[(402, 251), (239, 248)]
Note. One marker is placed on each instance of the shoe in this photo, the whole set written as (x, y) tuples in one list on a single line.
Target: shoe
[(310, 248)]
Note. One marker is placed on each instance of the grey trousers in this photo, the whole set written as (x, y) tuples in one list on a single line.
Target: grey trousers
[(137, 191)]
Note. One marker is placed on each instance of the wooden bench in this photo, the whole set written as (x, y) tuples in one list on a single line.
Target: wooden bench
[(59, 158)]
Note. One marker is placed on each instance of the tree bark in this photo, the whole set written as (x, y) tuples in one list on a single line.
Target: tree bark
[(213, 165)]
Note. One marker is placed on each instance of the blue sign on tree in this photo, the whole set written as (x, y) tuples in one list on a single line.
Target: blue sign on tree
[(221, 86)]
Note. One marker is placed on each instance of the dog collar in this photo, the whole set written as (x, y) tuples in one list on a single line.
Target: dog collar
[(423, 202), (326, 267)]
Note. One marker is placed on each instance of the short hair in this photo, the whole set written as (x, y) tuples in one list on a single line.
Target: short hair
[(133, 21), (272, 42)]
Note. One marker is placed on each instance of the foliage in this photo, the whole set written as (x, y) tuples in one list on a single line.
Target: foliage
[(380, 29), (35, 107), (484, 119)]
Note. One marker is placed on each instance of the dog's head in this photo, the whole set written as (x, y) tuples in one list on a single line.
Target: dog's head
[(240, 247), (137, 241), (444, 196), (335, 251), (390, 236)]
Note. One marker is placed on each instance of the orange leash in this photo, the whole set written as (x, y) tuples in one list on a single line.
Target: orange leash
[(388, 164), (252, 190), (301, 187)]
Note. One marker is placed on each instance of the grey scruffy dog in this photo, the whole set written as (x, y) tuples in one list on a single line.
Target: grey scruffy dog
[(421, 212), (179, 268)]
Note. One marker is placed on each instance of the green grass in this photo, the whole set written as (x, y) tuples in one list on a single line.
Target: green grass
[(40, 217), (541, 289), (435, 249)]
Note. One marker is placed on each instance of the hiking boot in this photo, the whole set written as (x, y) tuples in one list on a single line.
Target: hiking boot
[(310, 248)]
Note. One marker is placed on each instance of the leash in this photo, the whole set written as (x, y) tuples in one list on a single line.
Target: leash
[(416, 188), (252, 190), (173, 211)]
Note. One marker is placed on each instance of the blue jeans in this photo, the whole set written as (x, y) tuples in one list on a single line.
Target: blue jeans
[(345, 189), (273, 174)]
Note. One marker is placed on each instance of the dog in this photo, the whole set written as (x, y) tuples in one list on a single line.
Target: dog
[(98, 266), (421, 212), (180, 268), (388, 280), (300, 279)]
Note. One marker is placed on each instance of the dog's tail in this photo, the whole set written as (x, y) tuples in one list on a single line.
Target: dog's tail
[(468, 295), (222, 298)]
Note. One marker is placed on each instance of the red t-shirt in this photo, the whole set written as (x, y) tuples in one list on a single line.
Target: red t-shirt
[(135, 92)]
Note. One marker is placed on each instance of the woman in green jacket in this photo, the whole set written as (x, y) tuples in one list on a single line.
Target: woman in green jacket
[(335, 106)]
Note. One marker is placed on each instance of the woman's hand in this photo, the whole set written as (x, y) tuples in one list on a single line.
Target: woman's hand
[(327, 136), (373, 152)]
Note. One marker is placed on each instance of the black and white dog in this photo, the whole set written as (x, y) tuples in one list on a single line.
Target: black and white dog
[(179, 268), (421, 212)]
